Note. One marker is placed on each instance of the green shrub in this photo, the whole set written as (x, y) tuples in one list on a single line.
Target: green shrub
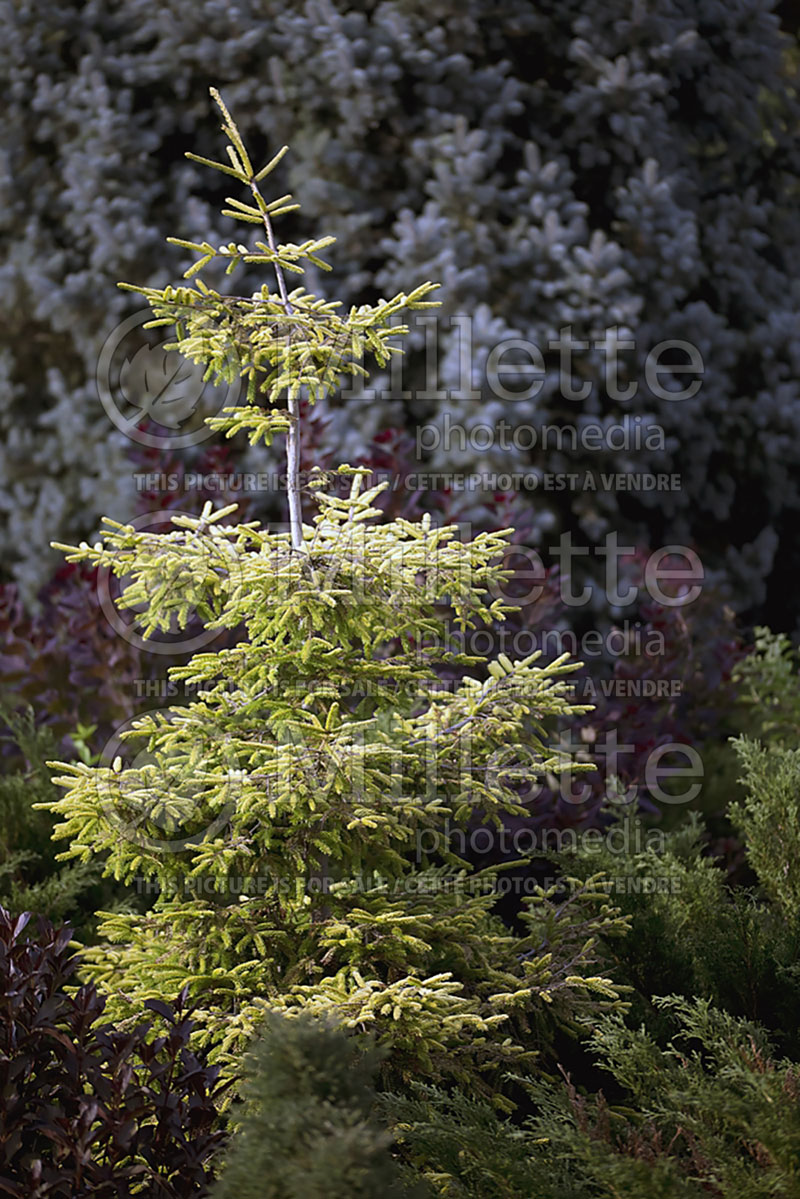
[(769, 677), (769, 819), (710, 1113), (306, 1127), (31, 878)]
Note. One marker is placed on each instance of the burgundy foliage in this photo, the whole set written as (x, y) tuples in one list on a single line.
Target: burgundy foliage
[(66, 660), (87, 1110)]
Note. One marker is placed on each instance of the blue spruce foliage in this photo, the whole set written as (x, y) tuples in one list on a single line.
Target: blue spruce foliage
[(582, 164)]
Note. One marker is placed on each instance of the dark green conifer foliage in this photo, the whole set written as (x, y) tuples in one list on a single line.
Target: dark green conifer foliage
[(768, 814), (770, 679), (462, 1145), (692, 934), (706, 1107), (306, 1127), (711, 1113), (769, 819), (31, 878)]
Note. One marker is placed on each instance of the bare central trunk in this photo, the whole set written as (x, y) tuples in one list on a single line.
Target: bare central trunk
[(293, 475)]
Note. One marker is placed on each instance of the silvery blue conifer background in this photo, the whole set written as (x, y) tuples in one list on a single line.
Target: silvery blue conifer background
[(577, 164)]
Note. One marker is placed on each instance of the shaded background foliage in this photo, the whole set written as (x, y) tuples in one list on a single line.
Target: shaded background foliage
[(553, 164)]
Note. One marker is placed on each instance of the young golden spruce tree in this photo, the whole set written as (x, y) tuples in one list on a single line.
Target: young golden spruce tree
[(322, 749)]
